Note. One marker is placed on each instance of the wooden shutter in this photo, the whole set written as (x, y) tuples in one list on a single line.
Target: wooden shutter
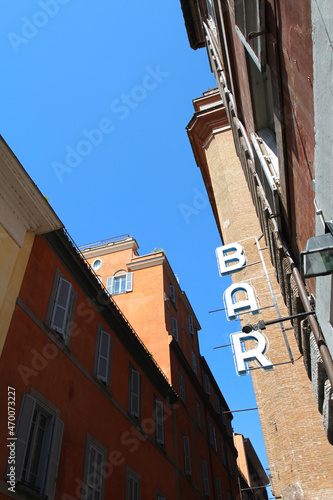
[(205, 477), (194, 363), (174, 328), (218, 489), (109, 285), (198, 410), (207, 386), (190, 324), (159, 421), (61, 306), (23, 428), (129, 282), (135, 393), (54, 456), (217, 404), (187, 457), (181, 387), (103, 359), (172, 293)]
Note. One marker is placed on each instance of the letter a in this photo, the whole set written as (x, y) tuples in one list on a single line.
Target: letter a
[(233, 307)]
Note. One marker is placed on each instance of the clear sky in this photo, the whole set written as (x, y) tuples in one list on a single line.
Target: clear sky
[(95, 98)]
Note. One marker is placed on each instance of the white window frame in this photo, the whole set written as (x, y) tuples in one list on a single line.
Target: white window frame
[(206, 383), (111, 283), (159, 421), (94, 475), (181, 382), (190, 324), (205, 480), (243, 14), (187, 455), (174, 326), (134, 392), (27, 427), (172, 293), (133, 484)]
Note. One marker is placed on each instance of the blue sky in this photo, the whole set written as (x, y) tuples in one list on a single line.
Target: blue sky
[(95, 97)]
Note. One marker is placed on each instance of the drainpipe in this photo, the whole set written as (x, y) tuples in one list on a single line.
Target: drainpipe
[(324, 352)]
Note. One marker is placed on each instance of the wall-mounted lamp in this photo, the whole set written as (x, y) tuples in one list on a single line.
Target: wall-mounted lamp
[(261, 325), (317, 258)]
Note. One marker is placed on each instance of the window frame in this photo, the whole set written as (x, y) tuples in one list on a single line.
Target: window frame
[(132, 394), (106, 377), (243, 10), (212, 435), (159, 421), (26, 437), (65, 330), (187, 455), (131, 474), (190, 324), (174, 328), (181, 383), (93, 444), (172, 294), (205, 479), (111, 282)]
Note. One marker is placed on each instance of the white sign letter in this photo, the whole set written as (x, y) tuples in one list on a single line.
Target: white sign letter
[(234, 307), (257, 353), (225, 258)]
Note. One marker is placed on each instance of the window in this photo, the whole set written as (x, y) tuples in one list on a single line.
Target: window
[(121, 283), (198, 412), (174, 324), (103, 355), (134, 393), (212, 436), (190, 324), (205, 481), (159, 421), (181, 383), (217, 404), (172, 293), (97, 264), (133, 484), (222, 451), (38, 445), (250, 27), (224, 418), (194, 363), (206, 384), (61, 306), (228, 462), (94, 474), (218, 488), (159, 496), (187, 457)]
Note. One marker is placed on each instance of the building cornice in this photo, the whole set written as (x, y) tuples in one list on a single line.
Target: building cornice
[(110, 247), (22, 206)]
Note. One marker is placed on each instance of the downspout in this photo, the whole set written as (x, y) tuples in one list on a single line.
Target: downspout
[(324, 352)]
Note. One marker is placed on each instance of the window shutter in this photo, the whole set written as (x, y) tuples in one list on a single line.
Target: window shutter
[(217, 404), (135, 393), (109, 285), (172, 293), (22, 432), (250, 19), (187, 457), (207, 386), (190, 324), (129, 282), (224, 418), (194, 363), (61, 306), (222, 451), (174, 328), (218, 489), (103, 356), (159, 421), (198, 410), (54, 454), (181, 386), (205, 477)]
